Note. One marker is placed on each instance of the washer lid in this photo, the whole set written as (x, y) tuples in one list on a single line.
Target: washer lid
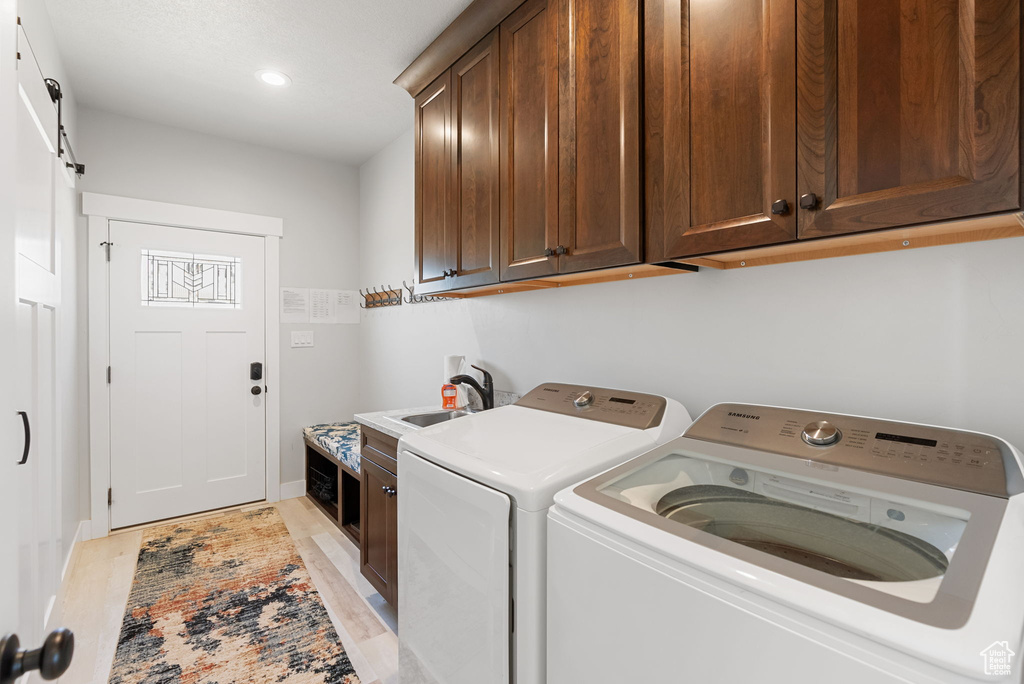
[(527, 453), (902, 525)]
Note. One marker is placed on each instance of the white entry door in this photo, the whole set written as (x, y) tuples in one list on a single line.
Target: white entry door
[(187, 422), (36, 475)]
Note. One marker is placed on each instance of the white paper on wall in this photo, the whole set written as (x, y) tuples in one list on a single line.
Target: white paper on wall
[(320, 306), (294, 305), (333, 307), (346, 303)]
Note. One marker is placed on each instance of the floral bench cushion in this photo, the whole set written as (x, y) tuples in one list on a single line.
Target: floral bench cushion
[(341, 440)]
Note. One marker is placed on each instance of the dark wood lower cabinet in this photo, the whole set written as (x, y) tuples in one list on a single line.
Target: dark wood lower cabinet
[(378, 500)]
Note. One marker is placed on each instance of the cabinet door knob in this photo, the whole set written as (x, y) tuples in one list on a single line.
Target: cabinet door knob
[(780, 207), (809, 201), (549, 252), (561, 249)]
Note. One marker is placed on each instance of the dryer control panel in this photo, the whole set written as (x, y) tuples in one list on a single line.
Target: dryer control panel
[(618, 407), (950, 458)]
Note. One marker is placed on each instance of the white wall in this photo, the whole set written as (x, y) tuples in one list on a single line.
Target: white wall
[(931, 335), (318, 201)]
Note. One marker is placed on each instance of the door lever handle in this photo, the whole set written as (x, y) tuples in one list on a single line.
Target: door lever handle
[(28, 439), (52, 660)]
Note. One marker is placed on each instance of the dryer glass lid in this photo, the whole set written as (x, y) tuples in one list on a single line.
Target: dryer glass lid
[(851, 535)]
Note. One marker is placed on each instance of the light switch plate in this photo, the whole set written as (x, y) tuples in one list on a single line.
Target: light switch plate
[(302, 338)]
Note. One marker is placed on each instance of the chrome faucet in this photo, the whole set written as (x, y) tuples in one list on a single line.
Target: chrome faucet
[(486, 392)]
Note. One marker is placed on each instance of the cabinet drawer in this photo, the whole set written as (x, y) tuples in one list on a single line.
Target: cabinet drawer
[(380, 459), (379, 449)]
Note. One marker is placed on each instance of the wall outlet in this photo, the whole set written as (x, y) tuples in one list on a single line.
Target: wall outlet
[(302, 338)]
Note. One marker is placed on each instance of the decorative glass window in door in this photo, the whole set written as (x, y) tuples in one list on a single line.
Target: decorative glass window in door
[(191, 280)]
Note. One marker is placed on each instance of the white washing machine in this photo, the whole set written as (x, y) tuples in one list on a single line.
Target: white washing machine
[(472, 510), (777, 545)]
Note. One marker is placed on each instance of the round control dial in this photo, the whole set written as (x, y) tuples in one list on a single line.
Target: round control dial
[(821, 433), (584, 399)]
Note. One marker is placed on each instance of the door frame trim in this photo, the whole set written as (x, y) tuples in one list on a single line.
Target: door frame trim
[(99, 210)]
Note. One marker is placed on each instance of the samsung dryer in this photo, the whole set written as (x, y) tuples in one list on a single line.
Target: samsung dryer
[(472, 523), (786, 546)]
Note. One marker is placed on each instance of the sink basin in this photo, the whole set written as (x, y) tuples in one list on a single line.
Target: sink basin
[(432, 417)]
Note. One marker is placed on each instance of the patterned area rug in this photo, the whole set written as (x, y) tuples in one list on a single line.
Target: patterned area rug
[(226, 599)]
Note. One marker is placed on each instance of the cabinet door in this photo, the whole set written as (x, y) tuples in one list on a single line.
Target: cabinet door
[(529, 141), (433, 182), (908, 111), (379, 529), (472, 234), (720, 92), (599, 133)]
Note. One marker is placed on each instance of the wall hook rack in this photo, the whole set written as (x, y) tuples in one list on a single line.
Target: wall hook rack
[(414, 298), (375, 299)]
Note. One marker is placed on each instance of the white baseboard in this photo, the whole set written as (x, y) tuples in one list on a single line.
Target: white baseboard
[(81, 535), (292, 490)]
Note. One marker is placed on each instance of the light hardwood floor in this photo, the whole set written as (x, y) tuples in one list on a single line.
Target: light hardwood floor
[(93, 602)]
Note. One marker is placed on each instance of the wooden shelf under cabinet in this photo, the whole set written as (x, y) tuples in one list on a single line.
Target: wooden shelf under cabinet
[(339, 498)]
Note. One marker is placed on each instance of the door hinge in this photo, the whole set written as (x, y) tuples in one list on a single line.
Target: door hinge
[(107, 246), (108, 375), (110, 497)]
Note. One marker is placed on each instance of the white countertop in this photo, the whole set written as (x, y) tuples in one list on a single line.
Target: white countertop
[(384, 421)]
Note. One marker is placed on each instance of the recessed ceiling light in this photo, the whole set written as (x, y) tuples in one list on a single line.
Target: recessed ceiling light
[(274, 78)]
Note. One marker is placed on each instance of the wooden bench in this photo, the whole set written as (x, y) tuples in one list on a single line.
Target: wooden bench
[(333, 473)]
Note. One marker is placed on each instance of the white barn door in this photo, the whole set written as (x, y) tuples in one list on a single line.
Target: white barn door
[(187, 419), (36, 477)]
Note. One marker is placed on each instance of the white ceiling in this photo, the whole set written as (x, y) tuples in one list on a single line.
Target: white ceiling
[(192, 64)]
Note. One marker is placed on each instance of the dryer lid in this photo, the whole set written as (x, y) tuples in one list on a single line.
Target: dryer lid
[(526, 453)]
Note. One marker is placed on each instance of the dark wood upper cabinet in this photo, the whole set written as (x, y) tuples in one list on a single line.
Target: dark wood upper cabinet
[(529, 142), (433, 132), (720, 105), (587, 134), (599, 133), (472, 235), (908, 111)]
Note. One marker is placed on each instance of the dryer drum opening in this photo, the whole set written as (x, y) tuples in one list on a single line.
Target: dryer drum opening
[(829, 543)]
